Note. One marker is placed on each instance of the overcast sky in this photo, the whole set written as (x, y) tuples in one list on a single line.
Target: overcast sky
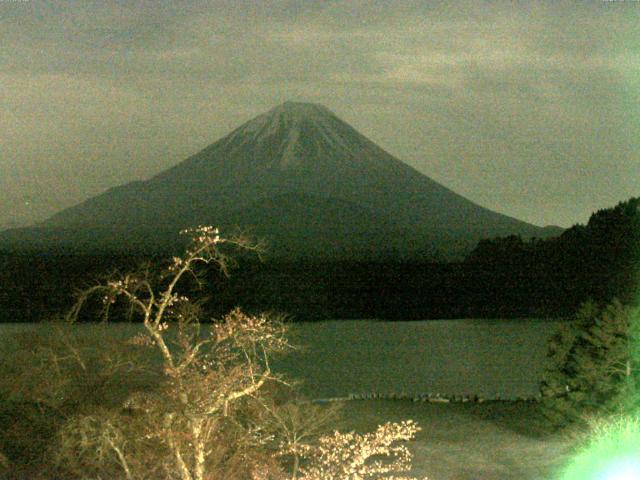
[(528, 108)]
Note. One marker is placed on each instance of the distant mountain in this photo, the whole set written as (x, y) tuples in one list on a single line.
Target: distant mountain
[(296, 174)]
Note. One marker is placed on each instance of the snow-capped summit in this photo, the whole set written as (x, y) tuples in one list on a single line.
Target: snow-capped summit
[(290, 124), (289, 115), (297, 132)]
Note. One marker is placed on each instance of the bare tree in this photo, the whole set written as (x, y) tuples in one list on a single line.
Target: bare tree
[(377, 455), (207, 372), (295, 425), (213, 414)]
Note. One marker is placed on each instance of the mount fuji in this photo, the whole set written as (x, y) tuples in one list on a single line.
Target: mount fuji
[(296, 175)]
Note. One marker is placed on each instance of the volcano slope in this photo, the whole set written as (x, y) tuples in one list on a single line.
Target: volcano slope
[(296, 175)]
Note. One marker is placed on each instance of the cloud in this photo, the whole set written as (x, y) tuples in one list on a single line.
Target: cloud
[(499, 101)]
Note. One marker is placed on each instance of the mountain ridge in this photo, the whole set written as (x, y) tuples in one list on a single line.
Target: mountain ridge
[(293, 149)]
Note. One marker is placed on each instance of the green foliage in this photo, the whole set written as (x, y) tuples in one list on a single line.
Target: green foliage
[(594, 366), (599, 260), (609, 450)]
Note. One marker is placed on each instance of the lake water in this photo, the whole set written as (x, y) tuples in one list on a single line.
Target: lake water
[(492, 358)]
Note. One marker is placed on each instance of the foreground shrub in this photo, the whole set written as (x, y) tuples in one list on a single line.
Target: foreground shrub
[(210, 411), (56, 371), (350, 456)]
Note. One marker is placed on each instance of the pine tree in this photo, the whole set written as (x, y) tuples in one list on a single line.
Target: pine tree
[(594, 364)]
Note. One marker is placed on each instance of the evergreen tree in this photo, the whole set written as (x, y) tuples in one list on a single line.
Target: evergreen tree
[(594, 364)]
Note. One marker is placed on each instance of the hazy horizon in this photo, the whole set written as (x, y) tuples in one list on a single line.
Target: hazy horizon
[(527, 109)]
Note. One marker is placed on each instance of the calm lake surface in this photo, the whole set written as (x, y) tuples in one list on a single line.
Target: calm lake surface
[(493, 358)]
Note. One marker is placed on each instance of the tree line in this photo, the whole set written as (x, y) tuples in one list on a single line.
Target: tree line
[(502, 277), (598, 261)]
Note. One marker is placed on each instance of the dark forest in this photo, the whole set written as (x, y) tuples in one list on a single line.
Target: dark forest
[(502, 277)]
